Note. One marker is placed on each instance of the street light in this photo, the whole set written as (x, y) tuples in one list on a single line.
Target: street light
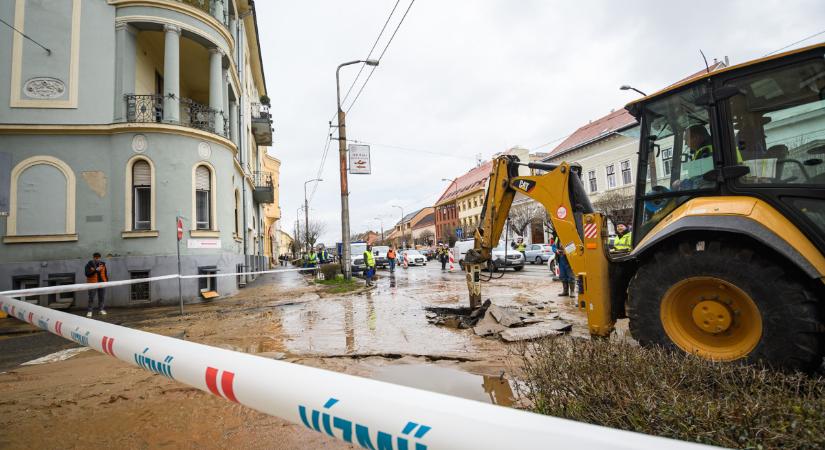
[(382, 227), (342, 162), (297, 227), (403, 239), (625, 87), (306, 210)]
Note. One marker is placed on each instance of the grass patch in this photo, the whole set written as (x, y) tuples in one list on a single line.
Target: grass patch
[(339, 285), (675, 395)]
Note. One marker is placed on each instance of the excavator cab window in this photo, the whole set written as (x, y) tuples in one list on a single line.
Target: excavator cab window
[(777, 123), (679, 153)]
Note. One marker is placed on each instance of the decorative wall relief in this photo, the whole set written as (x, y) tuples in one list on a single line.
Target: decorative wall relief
[(44, 88), (139, 143)]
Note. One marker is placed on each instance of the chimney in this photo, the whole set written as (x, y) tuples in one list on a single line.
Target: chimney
[(727, 61)]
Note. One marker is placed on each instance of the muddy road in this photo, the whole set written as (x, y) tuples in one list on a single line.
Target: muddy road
[(94, 401)]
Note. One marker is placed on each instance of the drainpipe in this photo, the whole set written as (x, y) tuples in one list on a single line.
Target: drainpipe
[(242, 132)]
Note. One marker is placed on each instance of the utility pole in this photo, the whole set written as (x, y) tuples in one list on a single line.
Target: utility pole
[(306, 211), (342, 161)]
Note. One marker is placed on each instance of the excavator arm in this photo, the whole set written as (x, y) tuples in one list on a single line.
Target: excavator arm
[(580, 230)]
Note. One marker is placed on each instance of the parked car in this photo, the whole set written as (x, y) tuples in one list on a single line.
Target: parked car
[(506, 260), (357, 256), (380, 253), (428, 253), (538, 253), (415, 258)]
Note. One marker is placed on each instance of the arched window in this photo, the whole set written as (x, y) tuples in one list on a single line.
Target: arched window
[(203, 198), (141, 195), (42, 207)]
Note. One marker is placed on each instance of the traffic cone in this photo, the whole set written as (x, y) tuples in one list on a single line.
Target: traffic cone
[(404, 260), (452, 261)]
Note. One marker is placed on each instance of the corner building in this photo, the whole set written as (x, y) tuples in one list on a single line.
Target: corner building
[(139, 112)]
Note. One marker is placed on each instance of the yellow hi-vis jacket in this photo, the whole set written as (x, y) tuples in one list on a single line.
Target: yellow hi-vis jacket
[(369, 259), (623, 243)]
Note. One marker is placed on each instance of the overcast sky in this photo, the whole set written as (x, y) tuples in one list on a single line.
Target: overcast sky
[(465, 77)]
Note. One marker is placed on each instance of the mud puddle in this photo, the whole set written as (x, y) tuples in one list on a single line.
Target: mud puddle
[(444, 380)]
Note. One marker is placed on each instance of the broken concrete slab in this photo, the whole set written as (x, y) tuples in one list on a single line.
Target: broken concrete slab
[(529, 333), (508, 317), (488, 326)]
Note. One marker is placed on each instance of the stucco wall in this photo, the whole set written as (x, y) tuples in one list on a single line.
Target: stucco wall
[(100, 219), (96, 57)]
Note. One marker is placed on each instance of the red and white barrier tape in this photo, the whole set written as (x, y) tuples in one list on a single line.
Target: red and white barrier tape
[(368, 413), (89, 286)]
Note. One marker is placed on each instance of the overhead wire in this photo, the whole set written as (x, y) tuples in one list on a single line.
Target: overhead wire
[(408, 149), (369, 76), (797, 42), (329, 137), (374, 44)]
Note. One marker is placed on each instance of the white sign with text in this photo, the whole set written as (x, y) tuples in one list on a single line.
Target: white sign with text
[(359, 159)]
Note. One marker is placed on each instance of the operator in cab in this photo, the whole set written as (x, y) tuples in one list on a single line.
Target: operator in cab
[(623, 242)]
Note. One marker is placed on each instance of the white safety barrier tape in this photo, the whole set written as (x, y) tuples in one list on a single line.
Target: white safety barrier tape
[(89, 286), (364, 412)]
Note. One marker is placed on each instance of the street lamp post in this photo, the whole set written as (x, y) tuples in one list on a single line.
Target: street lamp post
[(306, 211), (342, 162), (403, 238), (380, 220), (625, 87)]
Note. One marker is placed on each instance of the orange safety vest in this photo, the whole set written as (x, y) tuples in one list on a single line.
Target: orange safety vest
[(391, 254), (98, 277)]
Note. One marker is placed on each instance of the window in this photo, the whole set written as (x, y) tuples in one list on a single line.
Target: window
[(667, 154), (591, 177), (141, 196), (203, 200), (63, 299), (611, 176), (207, 283), (27, 282), (678, 123), (139, 292), (627, 176)]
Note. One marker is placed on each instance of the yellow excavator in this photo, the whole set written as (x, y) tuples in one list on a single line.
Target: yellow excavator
[(728, 258)]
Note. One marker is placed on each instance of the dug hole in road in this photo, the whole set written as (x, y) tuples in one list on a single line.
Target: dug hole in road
[(93, 401)]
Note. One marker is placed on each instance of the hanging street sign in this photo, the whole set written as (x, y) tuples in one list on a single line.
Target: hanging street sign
[(359, 159)]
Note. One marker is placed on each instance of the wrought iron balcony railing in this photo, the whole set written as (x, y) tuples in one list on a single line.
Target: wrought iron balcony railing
[(261, 179), (259, 111), (144, 108), (149, 108)]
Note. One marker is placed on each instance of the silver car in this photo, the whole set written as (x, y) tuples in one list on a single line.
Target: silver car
[(538, 253)]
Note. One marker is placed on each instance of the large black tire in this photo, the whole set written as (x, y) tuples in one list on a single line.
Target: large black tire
[(518, 268), (793, 334)]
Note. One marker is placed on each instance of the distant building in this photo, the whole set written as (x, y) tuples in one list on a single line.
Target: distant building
[(271, 211), (423, 232), (285, 242), (142, 111), (402, 233), (458, 197)]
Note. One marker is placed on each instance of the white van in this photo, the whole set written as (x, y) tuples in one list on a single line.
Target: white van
[(460, 249)]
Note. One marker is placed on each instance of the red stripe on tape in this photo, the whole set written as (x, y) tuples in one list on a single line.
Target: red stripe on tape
[(212, 380), (226, 384)]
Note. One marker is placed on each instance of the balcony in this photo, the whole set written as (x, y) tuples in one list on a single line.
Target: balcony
[(261, 123), (149, 109), (263, 191), (213, 8)]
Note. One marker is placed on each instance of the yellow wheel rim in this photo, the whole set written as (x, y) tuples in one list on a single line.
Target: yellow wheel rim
[(712, 318)]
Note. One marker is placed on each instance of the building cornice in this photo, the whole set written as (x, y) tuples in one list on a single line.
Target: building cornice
[(117, 128)]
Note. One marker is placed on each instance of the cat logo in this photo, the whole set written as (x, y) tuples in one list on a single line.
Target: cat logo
[(525, 185)]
